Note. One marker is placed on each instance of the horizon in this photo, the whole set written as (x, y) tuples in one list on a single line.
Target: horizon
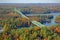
[(30, 1)]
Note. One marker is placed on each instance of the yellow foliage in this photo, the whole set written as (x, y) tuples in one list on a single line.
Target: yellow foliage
[(5, 28), (36, 28)]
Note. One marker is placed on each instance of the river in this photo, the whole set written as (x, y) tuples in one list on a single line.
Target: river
[(52, 20)]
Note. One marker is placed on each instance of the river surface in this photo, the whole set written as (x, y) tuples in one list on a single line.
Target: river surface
[(52, 20)]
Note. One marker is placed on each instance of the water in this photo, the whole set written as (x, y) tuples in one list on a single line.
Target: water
[(52, 20)]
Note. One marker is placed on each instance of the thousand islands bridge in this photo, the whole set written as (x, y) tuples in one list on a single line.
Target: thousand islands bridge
[(23, 16), (32, 21)]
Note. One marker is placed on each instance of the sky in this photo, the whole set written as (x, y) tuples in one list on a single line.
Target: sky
[(29, 1)]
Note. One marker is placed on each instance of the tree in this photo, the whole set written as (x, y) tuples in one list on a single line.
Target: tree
[(5, 27)]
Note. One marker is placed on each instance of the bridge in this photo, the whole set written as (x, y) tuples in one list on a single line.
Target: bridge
[(32, 21)]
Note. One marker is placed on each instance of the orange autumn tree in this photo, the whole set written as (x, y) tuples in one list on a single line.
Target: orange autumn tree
[(57, 29)]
